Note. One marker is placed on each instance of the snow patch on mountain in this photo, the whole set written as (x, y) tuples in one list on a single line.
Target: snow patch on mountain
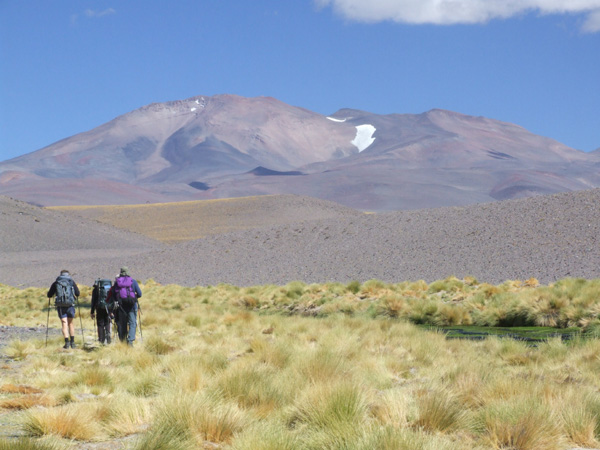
[(364, 137), (333, 119)]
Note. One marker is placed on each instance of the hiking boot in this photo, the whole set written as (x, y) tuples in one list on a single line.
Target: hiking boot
[(67, 346), (73, 345)]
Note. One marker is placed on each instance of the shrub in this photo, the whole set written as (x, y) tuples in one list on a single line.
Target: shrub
[(330, 406), (194, 419), (28, 444), (294, 289), (372, 287), (252, 386), (93, 376), (72, 421), (521, 424), (266, 436), (27, 401), (448, 314), (353, 286), (438, 411), (19, 350), (249, 301), (450, 284), (390, 438), (166, 436), (144, 384), (158, 345), (321, 365), (123, 415), (580, 425), (193, 321), (391, 408), (422, 311), (392, 305)]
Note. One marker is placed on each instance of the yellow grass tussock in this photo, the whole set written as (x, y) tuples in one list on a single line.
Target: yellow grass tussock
[(221, 374)]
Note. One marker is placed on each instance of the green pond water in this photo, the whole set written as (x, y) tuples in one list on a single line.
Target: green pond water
[(528, 334)]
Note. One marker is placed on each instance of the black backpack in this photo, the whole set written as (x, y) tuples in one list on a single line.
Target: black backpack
[(65, 292), (103, 286)]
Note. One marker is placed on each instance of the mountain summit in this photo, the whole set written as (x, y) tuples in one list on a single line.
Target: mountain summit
[(230, 146)]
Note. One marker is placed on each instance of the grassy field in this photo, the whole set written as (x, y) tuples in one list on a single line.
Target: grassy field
[(329, 366), (184, 221), (176, 221)]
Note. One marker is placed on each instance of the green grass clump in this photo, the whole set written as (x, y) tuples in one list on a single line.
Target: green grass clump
[(29, 444)]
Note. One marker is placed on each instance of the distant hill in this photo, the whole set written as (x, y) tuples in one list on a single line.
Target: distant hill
[(229, 146), (278, 239)]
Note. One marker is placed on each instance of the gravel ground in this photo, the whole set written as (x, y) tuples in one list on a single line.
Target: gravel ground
[(8, 334), (546, 237)]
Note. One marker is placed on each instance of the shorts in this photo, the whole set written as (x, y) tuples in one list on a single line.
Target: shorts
[(66, 311)]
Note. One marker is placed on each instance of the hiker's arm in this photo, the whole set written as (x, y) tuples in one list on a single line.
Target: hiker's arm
[(76, 289), (52, 290), (136, 287)]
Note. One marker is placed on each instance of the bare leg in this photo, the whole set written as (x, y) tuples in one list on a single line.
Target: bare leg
[(65, 327), (71, 326)]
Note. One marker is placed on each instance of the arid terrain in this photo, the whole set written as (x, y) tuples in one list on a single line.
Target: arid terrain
[(277, 239)]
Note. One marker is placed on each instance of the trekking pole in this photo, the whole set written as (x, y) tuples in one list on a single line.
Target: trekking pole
[(81, 322), (114, 328), (140, 316), (47, 321)]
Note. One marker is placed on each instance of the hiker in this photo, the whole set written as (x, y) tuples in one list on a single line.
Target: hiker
[(124, 293), (102, 309), (66, 292)]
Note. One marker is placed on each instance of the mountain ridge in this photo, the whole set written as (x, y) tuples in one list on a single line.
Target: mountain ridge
[(211, 147)]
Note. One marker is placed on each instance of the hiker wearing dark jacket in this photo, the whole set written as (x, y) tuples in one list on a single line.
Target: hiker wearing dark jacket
[(102, 310), (66, 291), (124, 293)]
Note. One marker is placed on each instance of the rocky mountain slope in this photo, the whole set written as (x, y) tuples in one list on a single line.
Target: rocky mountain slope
[(229, 146), (546, 237)]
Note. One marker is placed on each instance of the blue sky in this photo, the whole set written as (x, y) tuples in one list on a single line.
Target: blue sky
[(71, 65)]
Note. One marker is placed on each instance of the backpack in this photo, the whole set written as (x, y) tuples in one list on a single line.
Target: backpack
[(124, 292), (65, 292), (103, 286)]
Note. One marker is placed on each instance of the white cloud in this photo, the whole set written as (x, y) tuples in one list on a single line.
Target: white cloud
[(106, 12), (447, 12), (91, 14), (592, 23)]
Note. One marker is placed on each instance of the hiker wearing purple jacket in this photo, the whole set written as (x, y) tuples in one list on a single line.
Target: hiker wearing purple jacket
[(125, 292)]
